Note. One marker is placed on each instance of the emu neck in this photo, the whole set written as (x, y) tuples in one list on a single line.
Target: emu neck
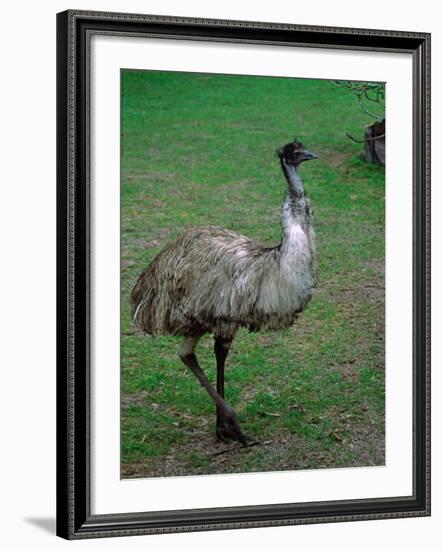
[(293, 178), (295, 215)]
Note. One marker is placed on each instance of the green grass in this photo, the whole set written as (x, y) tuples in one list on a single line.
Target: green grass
[(199, 149)]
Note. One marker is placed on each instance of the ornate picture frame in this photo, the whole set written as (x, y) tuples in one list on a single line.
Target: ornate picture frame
[(75, 516)]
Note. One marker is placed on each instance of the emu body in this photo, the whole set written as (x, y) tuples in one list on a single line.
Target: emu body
[(212, 280)]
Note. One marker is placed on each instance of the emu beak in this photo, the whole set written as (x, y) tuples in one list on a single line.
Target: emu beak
[(306, 155)]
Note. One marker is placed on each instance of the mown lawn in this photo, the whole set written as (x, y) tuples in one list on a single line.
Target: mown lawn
[(200, 149)]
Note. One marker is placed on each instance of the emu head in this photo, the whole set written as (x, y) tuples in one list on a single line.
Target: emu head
[(294, 153)]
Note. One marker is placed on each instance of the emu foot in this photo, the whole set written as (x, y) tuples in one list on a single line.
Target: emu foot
[(228, 428)]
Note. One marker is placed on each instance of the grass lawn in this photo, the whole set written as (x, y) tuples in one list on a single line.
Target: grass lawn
[(199, 149)]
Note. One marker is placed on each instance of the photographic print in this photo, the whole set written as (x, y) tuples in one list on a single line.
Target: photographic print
[(252, 274)]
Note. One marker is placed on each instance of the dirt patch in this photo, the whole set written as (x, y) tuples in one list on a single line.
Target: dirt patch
[(335, 159), (143, 243), (368, 445), (150, 174), (370, 290), (158, 237), (362, 293), (125, 264), (138, 398), (204, 455)]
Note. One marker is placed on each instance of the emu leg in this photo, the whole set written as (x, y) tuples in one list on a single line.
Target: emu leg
[(222, 348), (188, 357)]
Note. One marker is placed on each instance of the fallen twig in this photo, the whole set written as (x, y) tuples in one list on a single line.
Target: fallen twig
[(236, 448)]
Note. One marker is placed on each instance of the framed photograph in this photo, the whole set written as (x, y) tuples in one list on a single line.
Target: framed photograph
[(243, 274)]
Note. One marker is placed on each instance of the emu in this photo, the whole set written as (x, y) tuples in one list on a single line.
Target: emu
[(212, 280)]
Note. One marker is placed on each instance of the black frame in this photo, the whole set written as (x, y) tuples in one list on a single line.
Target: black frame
[(74, 519)]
